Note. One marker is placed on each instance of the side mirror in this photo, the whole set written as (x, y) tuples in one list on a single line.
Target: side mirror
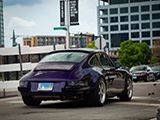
[(148, 70), (117, 65)]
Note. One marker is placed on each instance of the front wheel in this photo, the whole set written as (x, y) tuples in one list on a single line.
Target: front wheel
[(127, 94), (29, 101), (98, 96)]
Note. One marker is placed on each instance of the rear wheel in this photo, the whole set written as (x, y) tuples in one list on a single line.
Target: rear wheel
[(127, 94), (98, 96), (29, 101)]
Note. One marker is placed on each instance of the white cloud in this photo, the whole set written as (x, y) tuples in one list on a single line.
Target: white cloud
[(19, 22)]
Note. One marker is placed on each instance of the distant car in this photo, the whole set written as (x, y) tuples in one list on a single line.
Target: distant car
[(156, 69), (76, 74), (142, 73)]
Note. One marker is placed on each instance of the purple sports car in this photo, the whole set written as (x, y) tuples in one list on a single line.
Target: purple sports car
[(76, 74)]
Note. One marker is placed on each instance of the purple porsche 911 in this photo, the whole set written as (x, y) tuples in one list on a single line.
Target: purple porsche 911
[(76, 74)]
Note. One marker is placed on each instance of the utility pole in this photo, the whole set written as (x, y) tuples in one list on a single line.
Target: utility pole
[(67, 26), (20, 59)]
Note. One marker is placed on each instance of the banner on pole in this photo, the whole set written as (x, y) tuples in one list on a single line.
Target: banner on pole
[(74, 12), (62, 13)]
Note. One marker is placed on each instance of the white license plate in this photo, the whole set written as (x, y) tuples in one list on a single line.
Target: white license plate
[(45, 86), (134, 77)]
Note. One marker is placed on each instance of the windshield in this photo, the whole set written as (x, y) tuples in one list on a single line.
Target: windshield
[(75, 57), (156, 68), (142, 68)]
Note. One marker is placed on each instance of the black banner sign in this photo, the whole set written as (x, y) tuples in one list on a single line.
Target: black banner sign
[(62, 13), (74, 12)]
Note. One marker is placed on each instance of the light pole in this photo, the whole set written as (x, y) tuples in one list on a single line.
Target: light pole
[(67, 26)]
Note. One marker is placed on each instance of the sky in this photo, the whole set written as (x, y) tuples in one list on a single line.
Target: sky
[(38, 17)]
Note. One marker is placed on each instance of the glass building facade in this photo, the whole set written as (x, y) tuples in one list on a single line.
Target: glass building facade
[(1, 25), (121, 20)]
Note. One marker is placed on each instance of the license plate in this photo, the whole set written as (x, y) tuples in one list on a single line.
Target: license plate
[(45, 86), (134, 77)]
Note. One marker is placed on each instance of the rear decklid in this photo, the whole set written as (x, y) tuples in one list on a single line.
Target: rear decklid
[(52, 71)]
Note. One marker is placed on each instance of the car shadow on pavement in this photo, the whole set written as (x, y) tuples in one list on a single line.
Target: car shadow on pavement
[(72, 104)]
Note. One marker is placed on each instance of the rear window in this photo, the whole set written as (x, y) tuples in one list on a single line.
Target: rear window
[(75, 57)]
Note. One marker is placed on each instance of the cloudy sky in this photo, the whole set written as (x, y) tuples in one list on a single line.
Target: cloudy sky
[(38, 17)]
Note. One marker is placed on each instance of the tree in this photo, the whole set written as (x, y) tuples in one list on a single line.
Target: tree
[(146, 51), (92, 45), (129, 53), (153, 60)]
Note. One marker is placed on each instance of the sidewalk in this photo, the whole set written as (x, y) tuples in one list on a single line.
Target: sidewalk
[(9, 89)]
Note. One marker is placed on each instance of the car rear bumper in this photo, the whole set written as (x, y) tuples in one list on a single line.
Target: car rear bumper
[(65, 94), (139, 78)]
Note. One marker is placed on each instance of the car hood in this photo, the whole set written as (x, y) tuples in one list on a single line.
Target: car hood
[(52, 72)]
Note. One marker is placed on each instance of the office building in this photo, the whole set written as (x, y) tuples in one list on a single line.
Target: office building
[(75, 40), (121, 20), (1, 25)]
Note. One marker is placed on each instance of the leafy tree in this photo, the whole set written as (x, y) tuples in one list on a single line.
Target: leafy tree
[(146, 51), (129, 53), (153, 60), (92, 45)]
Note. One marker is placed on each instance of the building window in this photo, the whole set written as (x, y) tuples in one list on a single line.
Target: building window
[(124, 18), (113, 19), (134, 26), (35, 58), (114, 11), (144, 8), (116, 39), (145, 17), (156, 33), (145, 25), (135, 35), (112, 2), (104, 12), (134, 17), (134, 1), (104, 20), (156, 16), (147, 41), (124, 10), (134, 9), (105, 36), (124, 27), (145, 34), (156, 7), (105, 28), (114, 28), (136, 41), (156, 24)]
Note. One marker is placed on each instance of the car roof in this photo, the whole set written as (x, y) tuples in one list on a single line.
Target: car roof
[(79, 50)]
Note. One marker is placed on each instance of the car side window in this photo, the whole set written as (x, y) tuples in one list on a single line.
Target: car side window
[(103, 60), (93, 61)]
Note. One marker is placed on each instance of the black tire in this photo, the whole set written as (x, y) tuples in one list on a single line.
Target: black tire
[(154, 78), (29, 101), (98, 96), (147, 79), (127, 94), (135, 81)]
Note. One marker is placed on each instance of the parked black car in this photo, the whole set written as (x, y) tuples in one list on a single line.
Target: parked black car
[(156, 69)]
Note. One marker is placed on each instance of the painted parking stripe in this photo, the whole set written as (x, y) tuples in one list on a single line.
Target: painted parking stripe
[(137, 104), (11, 98)]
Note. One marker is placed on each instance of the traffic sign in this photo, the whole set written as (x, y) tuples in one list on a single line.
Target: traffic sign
[(60, 28)]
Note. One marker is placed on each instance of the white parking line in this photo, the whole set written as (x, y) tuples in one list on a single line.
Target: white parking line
[(7, 99)]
